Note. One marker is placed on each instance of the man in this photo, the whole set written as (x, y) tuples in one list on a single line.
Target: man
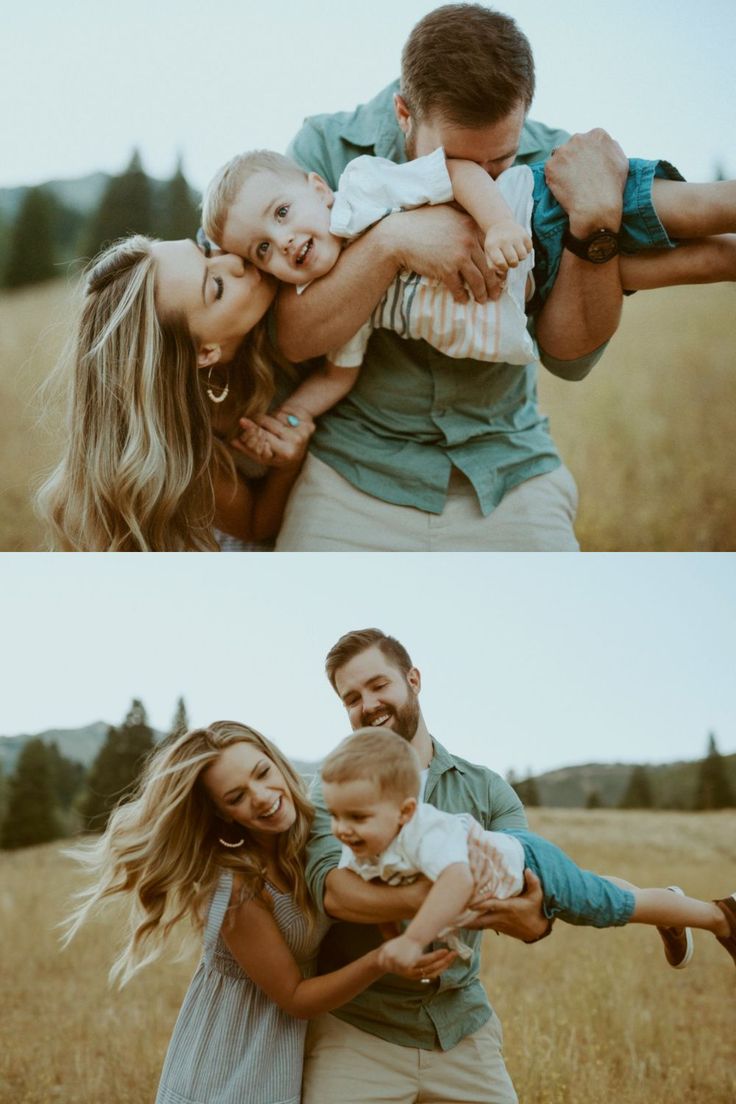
[(400, 1038), (427, 453)]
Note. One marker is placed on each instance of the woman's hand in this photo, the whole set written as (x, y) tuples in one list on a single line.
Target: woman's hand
[(278, 440)]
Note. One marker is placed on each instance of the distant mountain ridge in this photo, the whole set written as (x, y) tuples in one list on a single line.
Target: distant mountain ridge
[(82, 745), (79, 744), (81, 194), (673, 785)]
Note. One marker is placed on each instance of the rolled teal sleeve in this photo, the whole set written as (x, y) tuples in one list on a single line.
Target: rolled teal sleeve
[(504, 807), (323, 850), (572, 370)]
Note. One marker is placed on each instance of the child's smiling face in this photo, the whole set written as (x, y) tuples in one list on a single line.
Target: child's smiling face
[(282, 225), (363, 818)]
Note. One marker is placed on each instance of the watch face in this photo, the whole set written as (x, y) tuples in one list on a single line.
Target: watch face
[(603, 246)]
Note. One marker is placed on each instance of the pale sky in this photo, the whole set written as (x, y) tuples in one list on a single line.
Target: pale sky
[(82, 82), (528, 661)]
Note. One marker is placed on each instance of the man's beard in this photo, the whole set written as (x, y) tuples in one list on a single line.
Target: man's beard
[(404, 721)]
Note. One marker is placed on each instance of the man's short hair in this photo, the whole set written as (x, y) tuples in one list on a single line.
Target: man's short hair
[(353, 643), (467, 64), (378, 756)]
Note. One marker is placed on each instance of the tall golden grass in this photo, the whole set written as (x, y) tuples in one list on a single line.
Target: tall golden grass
[(649, 435), (588, 1016)]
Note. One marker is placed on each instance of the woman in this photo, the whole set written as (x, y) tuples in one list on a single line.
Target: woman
[(170, 349), (217, 833)]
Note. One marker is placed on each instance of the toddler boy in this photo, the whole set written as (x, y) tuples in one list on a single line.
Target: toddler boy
[(371, 785)]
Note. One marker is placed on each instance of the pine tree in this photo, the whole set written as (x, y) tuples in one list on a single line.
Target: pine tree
[(3, 796), (526, 789), (179, 722), (179, 217), (31, 815), (67, 777), (638, 792), (126, 208), (31, 252), (593, 800), (713, 790), (115, 771)]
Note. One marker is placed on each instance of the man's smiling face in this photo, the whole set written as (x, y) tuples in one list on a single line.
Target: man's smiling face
[(376, 692)]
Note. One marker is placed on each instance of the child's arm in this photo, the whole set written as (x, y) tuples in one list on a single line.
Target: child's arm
[(506, 242), (256, 943), (321, 390), (446, 900)]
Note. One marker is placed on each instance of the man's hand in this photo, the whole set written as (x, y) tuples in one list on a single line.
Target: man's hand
[(587, 177), (443, 244), (521, 917), (506, 245)]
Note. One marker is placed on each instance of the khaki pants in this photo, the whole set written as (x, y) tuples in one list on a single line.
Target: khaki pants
[(325, 513), (343, 1065)]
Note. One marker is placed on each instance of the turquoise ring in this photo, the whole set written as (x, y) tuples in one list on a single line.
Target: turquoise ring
[(292, 420)]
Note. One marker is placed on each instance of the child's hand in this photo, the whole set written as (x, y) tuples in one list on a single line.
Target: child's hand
[(279, 441), (428, 966), (253, 441), (507, 244), (399, 954)]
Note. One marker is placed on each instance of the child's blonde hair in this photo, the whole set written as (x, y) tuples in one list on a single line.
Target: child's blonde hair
[(223, 189), (377, 756)]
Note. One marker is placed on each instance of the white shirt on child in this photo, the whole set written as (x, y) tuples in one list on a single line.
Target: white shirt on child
[(431, 841), (415, 306)]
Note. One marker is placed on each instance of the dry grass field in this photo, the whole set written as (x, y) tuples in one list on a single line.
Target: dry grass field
[(588, 1016), (649, 435)]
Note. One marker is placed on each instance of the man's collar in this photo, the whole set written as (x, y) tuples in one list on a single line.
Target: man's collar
[(441, 760), (373, 126)]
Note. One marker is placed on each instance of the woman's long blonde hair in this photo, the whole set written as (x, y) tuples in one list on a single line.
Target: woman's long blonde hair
[(139, 454), (163, 847)]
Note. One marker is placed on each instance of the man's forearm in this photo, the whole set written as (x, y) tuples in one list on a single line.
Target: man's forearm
[(348, 897), (587, 176), (334, 307), (583, 310)]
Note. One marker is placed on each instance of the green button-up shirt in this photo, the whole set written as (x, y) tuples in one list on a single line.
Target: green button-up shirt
[(406, 1012), (414, 412)]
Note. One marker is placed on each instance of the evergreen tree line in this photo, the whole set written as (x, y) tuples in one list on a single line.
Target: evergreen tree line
[(46, 234), (713, 789), (49, 796)]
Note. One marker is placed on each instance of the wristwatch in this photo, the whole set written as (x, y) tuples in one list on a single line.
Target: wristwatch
[(598, 247)]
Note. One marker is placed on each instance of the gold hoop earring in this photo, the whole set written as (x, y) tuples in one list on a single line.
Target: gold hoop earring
[(223, 394), (226, 844)]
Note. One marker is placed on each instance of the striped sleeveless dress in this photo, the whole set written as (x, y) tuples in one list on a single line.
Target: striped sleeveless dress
[(231, 1044)]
